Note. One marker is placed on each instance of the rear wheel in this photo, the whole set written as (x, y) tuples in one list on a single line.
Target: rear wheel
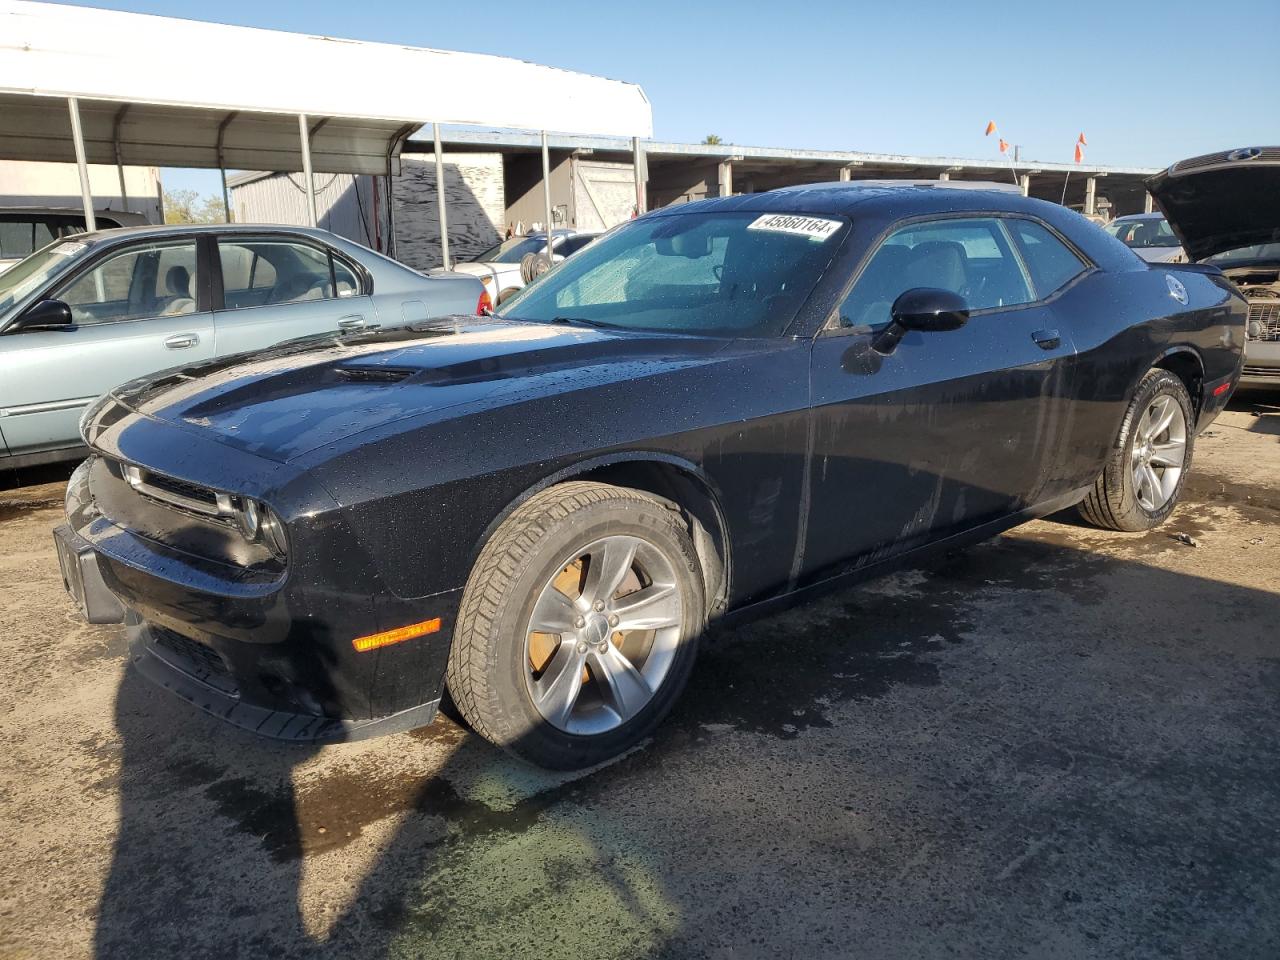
[(579, 625), (1142, 481)]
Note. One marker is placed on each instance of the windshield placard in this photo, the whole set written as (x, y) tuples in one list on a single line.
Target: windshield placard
[(815, 228)]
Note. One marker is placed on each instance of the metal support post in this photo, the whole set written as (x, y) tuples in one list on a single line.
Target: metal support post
[(309, 185), (440, 200), (546, 191), (77, 135)]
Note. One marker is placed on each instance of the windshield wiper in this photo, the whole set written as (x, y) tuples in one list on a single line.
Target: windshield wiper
[(584, 321)]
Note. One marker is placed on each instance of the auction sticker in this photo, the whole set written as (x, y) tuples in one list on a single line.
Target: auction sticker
[(815, 228)]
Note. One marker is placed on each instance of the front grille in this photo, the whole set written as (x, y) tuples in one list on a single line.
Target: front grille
[(1265, 314), (1271, 372), (1222, 156), (182, 487), (196, 660)]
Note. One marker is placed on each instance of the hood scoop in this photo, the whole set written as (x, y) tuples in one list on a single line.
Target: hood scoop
[(374, 374)]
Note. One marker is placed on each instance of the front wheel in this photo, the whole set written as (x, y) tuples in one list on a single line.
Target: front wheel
[(1142, 481), (579, 625)]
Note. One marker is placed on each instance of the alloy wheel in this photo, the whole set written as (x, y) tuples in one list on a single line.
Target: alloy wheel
[(1159, 452), (603, 634)]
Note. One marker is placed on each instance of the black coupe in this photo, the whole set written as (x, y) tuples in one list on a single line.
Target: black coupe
[(712, 409)]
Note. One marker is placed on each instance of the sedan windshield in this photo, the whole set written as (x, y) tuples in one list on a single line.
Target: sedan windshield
[(731, 274), (43, 265), (513, 250), (1150, 232), (1258, 251)]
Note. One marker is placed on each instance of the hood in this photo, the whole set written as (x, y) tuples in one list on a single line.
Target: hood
[(288, 401), (1221, 201)]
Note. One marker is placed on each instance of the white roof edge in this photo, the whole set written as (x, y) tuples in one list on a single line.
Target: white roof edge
[(48, 49)]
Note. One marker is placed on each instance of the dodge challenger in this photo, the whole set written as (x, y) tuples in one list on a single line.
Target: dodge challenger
[(713, 410)]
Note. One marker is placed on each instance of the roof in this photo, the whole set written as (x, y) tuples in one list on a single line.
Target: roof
[(514, 141), (143, 102), (186, 229)]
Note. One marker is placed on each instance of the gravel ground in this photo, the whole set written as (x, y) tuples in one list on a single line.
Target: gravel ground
[(1060, 743)]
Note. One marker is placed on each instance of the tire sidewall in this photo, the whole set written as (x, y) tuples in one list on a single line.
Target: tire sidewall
[(533, 736)]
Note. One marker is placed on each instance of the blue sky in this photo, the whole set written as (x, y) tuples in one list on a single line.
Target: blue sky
[(1148, 83)]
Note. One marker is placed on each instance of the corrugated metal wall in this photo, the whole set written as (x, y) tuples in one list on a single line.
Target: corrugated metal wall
[(345, 205)]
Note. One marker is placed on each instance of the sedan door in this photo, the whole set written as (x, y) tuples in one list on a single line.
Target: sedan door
[(139, 309), (945, 430), (276, 288)]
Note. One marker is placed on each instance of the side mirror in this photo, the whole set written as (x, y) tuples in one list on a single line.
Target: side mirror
[(44, 315), (930, 309), (927, 309)]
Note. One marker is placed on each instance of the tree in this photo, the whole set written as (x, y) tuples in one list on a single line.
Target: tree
[(712, 140), (187, 206)]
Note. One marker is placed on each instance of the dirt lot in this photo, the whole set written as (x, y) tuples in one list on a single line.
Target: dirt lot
[(1061, 743)]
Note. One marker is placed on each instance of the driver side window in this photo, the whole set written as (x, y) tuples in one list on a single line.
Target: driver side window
[(970, 256), (152, 280)]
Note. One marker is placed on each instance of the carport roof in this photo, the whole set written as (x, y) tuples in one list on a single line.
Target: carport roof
[(168, 92)]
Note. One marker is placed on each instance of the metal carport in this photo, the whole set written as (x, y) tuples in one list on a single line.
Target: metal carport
[(100, 86)]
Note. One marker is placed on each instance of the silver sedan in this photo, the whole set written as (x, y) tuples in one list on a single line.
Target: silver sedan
[(88, 313)]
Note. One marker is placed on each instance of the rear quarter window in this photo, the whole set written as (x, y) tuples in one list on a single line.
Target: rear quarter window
[(1051, 263)]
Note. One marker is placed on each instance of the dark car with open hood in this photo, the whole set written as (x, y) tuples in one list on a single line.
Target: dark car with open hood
[(712, 410), (1225, 208)]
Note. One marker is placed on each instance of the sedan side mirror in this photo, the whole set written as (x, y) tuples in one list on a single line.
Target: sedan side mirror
[(44, 315), (927, 309)]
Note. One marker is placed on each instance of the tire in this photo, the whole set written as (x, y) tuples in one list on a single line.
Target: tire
[(509, 680), (533, 265), (506, 293), (1120, 498)]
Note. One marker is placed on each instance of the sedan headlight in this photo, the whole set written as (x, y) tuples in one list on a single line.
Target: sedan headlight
[(257, 523)]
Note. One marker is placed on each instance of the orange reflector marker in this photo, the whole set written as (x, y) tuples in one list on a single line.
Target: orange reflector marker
[(1221, 388), (398, 635)]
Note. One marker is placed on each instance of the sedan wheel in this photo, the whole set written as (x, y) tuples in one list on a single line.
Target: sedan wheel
[(578, 626)]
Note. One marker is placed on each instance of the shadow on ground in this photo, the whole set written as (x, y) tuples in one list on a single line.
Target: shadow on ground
[(1023, 749)]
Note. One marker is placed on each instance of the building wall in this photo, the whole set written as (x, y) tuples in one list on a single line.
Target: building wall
[(523, 180), (347, 206), (475, 196), (32, 183)]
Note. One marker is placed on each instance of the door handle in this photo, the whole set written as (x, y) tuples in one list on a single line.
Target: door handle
[(353, 322), (180, 341), (1048, 339)]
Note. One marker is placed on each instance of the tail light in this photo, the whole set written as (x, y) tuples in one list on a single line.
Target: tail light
[(484, 306)]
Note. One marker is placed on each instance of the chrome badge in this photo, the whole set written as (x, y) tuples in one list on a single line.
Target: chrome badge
[(1176, 289), (1245, 153)]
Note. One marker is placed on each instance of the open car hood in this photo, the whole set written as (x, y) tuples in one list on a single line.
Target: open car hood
[(1221, 201)]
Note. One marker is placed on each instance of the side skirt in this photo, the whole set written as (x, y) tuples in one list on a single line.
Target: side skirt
[(870, 571)]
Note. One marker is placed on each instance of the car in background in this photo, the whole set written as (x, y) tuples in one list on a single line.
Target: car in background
[(24, 230), (1225, 209), (1149, 236), (716, 408), (507, 266), (89, 312)]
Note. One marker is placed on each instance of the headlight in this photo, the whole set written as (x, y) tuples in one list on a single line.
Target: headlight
[(256, 522)]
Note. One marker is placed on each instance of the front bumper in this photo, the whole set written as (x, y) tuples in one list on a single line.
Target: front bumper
[(1261, 364), (274, 656), (200, 676)]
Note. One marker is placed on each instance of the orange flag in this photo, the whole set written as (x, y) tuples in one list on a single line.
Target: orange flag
[(991, 128), (1082, 141), (1004, 147), (1079, 153)]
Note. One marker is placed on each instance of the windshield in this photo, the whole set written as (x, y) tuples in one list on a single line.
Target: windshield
[(1150, 232), (513, 250), (735, 274), (43, 265), (1258, 251)]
